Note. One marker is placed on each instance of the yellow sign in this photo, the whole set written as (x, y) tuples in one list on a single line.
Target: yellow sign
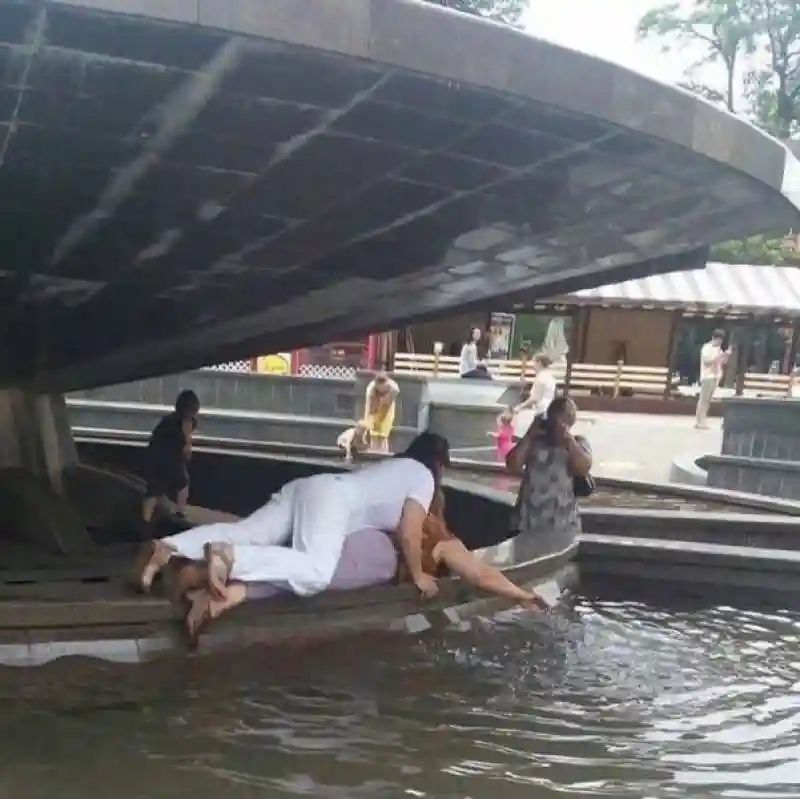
[(280, 364)]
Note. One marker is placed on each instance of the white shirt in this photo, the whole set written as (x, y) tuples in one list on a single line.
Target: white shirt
[(543, 391), (380, 490), (710, 365), (469, 358)]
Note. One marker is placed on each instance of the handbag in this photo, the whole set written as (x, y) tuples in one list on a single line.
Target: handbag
[(583, 486)]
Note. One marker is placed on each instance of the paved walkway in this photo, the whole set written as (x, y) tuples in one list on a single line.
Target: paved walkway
[(638, 446)]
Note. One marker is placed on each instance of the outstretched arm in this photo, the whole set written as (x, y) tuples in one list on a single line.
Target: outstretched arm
[(462, 562), (368, 401), (534, 398)]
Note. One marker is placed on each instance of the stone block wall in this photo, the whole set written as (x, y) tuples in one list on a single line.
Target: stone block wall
[(298, 396), (760, 448), (298, 410)]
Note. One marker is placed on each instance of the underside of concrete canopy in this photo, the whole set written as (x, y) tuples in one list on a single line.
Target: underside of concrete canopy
[(188, 181)]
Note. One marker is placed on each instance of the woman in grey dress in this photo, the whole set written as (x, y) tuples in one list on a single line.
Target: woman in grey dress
[(548, 458)]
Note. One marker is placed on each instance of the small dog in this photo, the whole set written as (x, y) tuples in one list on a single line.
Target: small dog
[(354, 440)]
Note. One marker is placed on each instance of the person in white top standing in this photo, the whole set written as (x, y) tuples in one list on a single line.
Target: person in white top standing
[(296, 539), (543, 388), (712, 362)]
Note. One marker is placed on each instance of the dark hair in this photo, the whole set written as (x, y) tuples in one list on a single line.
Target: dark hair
[(429, 449), (187, 403), (718, 333), (472, 329), (554, 409)]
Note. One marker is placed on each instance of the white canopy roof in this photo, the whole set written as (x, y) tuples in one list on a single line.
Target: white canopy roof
[(742, 288)]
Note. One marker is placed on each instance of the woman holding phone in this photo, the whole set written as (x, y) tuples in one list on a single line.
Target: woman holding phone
[(551, 462)]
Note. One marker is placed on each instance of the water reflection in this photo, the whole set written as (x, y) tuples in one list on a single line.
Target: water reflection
[(611, 699)]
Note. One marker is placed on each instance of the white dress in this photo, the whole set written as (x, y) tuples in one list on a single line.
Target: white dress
[(296, 539)]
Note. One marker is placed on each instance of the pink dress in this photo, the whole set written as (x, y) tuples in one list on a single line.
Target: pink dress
[(504, 442)]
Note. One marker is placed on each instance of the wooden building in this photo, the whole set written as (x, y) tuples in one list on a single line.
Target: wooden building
[(661, 322)]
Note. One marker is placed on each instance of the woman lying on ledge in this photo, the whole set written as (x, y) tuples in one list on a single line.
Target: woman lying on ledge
[(203, 569)]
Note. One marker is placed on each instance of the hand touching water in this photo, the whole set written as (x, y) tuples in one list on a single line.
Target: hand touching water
[(426, 585)]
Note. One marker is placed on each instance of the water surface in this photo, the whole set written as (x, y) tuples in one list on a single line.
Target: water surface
[(611, 699)]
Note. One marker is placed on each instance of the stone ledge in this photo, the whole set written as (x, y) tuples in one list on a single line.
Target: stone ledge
[(686, 470), (760, 464), (683, 551), (328, 450)]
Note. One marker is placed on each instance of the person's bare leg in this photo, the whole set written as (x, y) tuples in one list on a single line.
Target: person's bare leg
[(219, 562), (149, 505), (182, 575), (462, 562), (204, 608)]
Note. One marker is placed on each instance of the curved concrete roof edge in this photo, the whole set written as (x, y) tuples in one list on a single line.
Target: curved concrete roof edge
[(489, 55)]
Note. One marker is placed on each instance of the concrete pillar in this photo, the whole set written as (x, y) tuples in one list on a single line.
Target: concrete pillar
[(35, 434), (36, 445)]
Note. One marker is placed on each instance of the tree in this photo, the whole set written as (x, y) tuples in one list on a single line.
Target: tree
[(761, 250), (757, 42), (718, 26), (773, 89), (508, 11)]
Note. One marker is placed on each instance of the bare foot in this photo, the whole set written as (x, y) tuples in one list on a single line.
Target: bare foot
[(203, 608), (152, 558), (219, 560)]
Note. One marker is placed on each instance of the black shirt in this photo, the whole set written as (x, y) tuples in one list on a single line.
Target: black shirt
[(168, 439)]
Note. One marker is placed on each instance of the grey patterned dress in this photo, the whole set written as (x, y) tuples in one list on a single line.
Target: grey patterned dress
[(546, 501)]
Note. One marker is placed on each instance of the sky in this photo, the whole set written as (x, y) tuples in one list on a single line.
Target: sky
[(607, 28)]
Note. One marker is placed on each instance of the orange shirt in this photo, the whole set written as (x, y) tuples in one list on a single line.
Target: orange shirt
[(434, 531)]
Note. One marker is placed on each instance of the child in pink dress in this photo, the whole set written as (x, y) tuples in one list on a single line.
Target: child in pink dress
[(504, 434)]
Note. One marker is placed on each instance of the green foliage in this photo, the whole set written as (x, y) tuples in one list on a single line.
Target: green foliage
[(758, 44), (773, 90), (718, 26), (760, 250), (508, 11)]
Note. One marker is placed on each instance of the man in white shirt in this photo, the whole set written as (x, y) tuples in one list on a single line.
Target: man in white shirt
[(712, 362)]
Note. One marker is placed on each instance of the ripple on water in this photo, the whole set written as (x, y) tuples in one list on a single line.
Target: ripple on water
[(611, 699)]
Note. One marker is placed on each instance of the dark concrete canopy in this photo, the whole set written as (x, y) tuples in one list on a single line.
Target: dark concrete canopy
[(187, 181)]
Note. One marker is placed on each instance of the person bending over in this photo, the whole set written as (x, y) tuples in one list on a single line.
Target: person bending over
[(443, 553), (380, 407), (368, 557), (295, 541)]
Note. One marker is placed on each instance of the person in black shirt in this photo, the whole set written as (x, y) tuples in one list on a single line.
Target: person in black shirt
[(167, 457)]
